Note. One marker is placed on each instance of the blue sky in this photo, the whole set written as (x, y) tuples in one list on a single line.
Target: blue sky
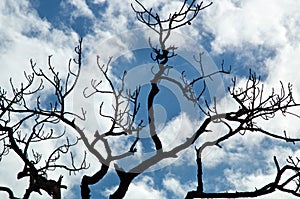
[(260, 35)]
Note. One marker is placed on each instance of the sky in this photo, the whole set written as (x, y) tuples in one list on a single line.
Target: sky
[(261, 35)]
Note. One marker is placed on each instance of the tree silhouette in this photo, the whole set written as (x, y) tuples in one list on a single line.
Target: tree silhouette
[(27, 120)]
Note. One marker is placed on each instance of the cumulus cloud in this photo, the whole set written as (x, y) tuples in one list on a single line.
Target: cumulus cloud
[(172, 184), (81, 8), (254, 38), (24, 35), (240, 24), (8, 165), (284, 67), (243, 181), (99, 1), (241, 27), (144, 187), (234, 25)]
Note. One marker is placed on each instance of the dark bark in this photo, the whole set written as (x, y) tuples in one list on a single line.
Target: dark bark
[(125, 181), (87, 180), (200, 173), (9, 191), (196, 194), (154, 91)]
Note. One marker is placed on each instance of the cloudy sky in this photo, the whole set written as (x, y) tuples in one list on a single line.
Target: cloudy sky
[(262, 35)]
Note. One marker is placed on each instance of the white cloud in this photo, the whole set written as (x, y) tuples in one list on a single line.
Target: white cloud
[(8, 177), (213, 156), (99, 1), (243, 28), (284, 67), (115, 18), (145, 189), (242, 149), (235, 26), (142, 188), (244, 23), (24, 36), (173, 185), (82, 9), (176, 131), (246, 182)]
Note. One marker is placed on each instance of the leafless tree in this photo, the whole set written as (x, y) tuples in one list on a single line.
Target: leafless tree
[(26, 123), (17, 111)]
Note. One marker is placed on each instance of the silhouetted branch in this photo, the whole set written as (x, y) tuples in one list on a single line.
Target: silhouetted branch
[(267, 189), (86, 181), (23, 123), (9, 191), (252, 106), (163, 27)]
